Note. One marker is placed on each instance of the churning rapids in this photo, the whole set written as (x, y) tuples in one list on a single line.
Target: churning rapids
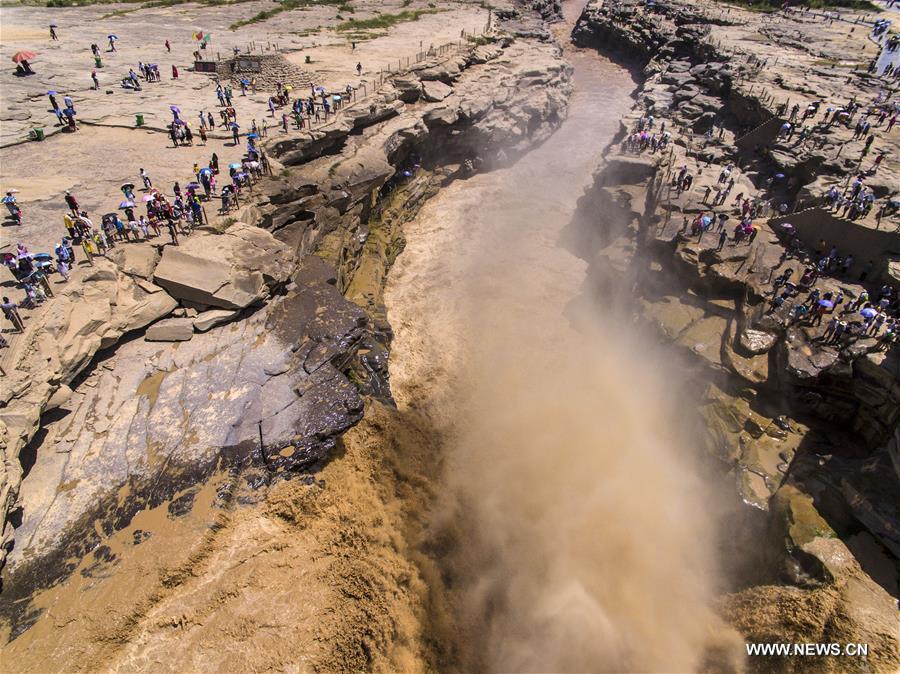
[(570, 524), (531, 504)]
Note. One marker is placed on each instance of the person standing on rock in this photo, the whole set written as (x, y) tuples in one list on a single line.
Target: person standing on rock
[(723, 237), (173, 231), (62, 266), (867, 268)]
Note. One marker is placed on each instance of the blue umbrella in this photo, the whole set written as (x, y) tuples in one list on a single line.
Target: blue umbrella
[(174, 108), (206, 171), (234, 166), (779, 176), (52, 93), (252, 135), (112, 37), (245, 82), (126, 204), (868, 312), (828, 304)]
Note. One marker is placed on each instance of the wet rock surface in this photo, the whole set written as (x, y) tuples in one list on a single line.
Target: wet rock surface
[(150, 420)]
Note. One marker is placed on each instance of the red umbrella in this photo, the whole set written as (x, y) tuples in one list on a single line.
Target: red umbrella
[(20, 56)]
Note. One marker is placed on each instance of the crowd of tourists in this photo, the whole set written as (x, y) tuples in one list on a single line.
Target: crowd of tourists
[(806, 300), (171, 216), (167, 216)]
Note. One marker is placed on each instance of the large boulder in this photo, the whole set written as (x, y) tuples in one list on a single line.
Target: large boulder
[(757, 341), (434, 91), (231, 270), (408, 89), (171, 330), (135, 260), (210, 319)]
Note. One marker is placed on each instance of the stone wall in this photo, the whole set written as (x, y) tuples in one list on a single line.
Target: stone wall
[(815, 224)]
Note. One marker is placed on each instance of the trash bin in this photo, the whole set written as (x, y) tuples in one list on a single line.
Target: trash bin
[(38, 133), (97, 62), (139, 119)]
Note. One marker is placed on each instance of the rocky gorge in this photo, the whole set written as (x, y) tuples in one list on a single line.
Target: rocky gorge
[(808, 434), (219, 441)]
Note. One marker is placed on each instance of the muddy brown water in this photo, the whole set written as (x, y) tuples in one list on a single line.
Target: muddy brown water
[(569, 530), (530, 505)]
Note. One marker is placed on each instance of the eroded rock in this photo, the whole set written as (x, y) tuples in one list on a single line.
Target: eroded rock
[(170, 330), (231, 270)]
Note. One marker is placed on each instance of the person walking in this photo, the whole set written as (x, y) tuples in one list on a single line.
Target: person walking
[(53, 35), (95, 80), (174, 72), (71, 202), (168, 46), (359, 69), (11, 312)]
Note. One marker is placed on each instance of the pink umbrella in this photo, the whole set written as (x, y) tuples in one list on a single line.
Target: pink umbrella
[(20, 56)]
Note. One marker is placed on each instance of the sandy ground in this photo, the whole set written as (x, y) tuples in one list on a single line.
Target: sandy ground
[(108, 149)]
